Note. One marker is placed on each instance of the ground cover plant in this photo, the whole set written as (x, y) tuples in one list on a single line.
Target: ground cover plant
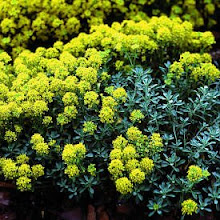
[(25, 24), (130, 109)]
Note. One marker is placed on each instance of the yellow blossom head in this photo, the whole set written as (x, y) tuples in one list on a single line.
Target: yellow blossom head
[(189, 207), (124, 185), (137, 176)]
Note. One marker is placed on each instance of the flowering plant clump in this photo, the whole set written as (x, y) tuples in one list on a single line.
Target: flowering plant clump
[(189, 207), (94, 115), (21, 172), (136, 115), (193, 67), (25, 22), (129, 163), (195, 174)]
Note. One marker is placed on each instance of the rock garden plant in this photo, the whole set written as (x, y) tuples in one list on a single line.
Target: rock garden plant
[(130, 109)]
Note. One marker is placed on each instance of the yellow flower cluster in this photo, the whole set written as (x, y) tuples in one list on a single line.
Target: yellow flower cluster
[(142, 38), (193, 66), (72, 171), (22, 158), (120, 142), (73, 72), (72, 153), (92, 169), (20, 171), (195, 173), (156, 143), (25, 21), (109, 104), (73, 156), (10, 136), (89, 127), (116, 168), (119, 94), (147, 165), (47, 120), (134, 134), (137, 176), (91, 99), (189, 207), (40, 77), (39, 145), (136, 116), (127, 164), (124, 185)]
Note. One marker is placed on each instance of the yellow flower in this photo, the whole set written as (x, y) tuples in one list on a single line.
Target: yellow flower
[(10, 136), (72, 171), (91, 99), (41, 149), (88, 74), (23, 183), (106, 115), (24, 170), (132, 164), (129, 152), (70, 98), (36, 139), (120, 94), (37, 171), (194, 173), (9, 168), (189, 207), (22, 158), (137, 176), (105, 76), (124, 185), (70, 112), (51, 143), (47, 120), (156, 143), (116, 168), (62, 119), (84, 86), (73, 153), (134, 134), (120, 142), (147, 165), (116, 154), (89, 127), (108, 101), (39, 108), (136, 116), (176, 69), (18, 128), (164, 35), (92, 169), (109, 90)]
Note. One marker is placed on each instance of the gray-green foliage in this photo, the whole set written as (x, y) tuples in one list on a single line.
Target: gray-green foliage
[(191, 135)]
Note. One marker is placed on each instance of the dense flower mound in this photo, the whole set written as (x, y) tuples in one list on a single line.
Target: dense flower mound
[(21, 171), (23, 22), (193, 67), (68, 75), (63, 108), (130, 162), (159, 36), (189, 207)]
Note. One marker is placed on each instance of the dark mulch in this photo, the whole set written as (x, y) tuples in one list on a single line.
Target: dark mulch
[(51, 205)]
